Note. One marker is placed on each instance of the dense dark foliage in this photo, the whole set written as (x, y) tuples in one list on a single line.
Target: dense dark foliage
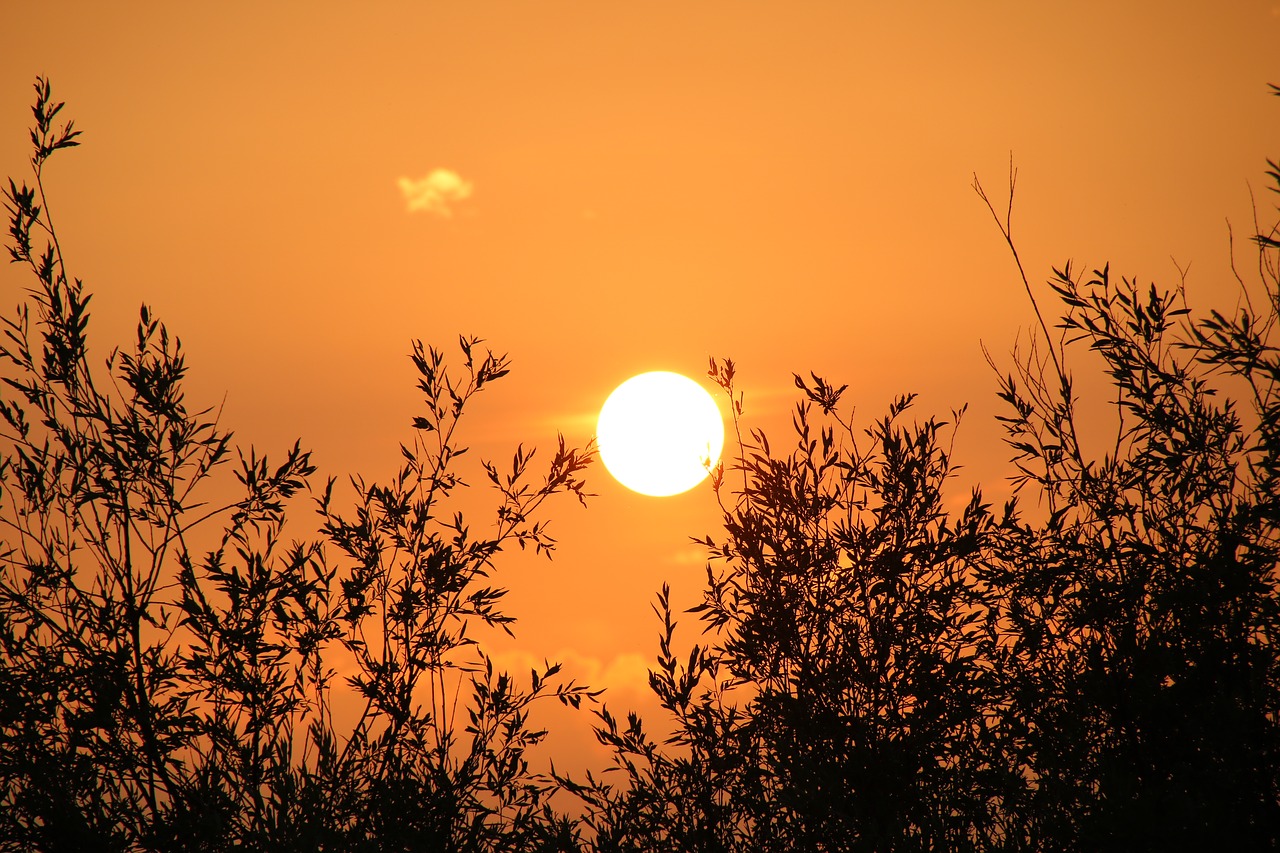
[(1143, 612), (885, 666), (848, 698), (1092, 667)]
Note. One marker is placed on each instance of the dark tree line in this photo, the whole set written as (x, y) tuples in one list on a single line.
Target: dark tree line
[(1091, 666)]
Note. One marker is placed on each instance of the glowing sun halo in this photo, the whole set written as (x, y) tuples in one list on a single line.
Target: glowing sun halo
[(660, 433)]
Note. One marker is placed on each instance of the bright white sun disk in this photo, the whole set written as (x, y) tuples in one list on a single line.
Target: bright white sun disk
[(660, 433)]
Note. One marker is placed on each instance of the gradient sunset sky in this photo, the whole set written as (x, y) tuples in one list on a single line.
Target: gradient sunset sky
[(601, 189)]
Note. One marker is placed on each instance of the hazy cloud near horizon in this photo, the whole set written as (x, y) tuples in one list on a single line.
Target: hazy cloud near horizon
[(436, 193)]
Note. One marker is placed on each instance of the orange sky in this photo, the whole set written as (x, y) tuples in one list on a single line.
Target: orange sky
[(787, 184)]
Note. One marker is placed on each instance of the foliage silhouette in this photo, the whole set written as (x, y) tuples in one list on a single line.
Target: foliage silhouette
[(1143, 611), (847, 700), (156, 697), (884, 666), (1096, 673)]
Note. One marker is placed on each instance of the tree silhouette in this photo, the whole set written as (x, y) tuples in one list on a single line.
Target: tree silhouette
[(883, 667), (848, 700), (154, 696), (1143, 611), (1097, 672)]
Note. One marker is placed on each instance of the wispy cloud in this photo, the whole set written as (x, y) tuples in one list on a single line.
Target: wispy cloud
[(436, 193)]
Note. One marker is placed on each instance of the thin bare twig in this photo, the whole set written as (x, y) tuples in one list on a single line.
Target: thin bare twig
[(1006, 230)]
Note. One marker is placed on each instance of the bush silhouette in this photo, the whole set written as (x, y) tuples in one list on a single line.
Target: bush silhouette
[(1097, 672), (156, 697), (1143, 611), (1091, 666)]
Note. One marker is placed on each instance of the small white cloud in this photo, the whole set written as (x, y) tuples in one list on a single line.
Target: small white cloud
[(435, 193)]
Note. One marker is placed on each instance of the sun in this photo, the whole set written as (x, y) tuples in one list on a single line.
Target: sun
[(660, 433)]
